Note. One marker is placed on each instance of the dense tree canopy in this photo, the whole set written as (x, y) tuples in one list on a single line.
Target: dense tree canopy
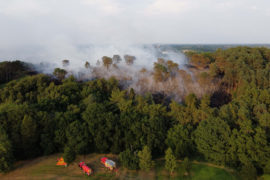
[(42, 115), (13, 70), (6, 155)]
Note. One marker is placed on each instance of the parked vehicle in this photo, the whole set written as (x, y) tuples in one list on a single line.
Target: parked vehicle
[(87, 170), (108, 163)]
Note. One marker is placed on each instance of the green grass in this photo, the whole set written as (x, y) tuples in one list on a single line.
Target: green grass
[(102, 176), (45, 168), (265, 177), (198, 172), (202, 172)]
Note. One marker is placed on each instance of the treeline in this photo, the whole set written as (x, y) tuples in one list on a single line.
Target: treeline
[(10, 70), (41, 116), (236, 67)]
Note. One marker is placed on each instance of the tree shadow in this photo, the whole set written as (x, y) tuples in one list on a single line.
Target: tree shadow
[(219, 98)]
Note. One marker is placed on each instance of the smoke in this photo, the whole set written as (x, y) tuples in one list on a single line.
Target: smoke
[(51, 56), (48, 57), (45, 60), (46, 32)]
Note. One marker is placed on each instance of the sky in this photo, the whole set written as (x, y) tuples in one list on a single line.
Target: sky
[(44, 32), (34, 22)]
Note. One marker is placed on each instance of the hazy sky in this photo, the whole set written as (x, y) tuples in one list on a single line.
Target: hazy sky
[(39, 22)]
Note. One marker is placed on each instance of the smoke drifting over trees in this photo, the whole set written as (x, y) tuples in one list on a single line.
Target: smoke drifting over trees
[(146, 69), (152, 69), (44, 115), (49, 32)]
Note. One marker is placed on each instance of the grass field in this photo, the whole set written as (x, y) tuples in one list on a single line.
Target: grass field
[(265, 177), (45, 168)]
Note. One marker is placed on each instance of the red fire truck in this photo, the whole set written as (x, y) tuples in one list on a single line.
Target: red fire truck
[(87, 170)]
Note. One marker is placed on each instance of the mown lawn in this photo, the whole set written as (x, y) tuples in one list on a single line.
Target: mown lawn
[(45, 168)]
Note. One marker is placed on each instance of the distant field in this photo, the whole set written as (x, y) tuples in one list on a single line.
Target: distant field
[(45, 168), (209, 47)]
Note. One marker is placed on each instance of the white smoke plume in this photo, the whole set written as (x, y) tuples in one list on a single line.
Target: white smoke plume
[(48, 58), (46, 32)]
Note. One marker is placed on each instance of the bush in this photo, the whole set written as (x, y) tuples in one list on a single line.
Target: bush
[(129, 159)]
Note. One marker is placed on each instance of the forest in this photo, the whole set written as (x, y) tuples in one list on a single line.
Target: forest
[(43, 114)]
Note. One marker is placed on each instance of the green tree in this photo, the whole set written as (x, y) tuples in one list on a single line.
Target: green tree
[(180, 141), (107, 61), (65, 63), (13, 70), (266, 168), (100, 90), (170, 164), (6, 152), (129, 59), (59, 73), (200, 60), (47, 128), (69, 155), (248, 172), (129, 159), (29, 135), (47, 144), (212, 138), (11, 116), (145, 159), (101, 124), (161, 72), (78, 137), (187, 165), (191, 101), (87, 65), (116, 59), (172, 67), (249, 146)]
